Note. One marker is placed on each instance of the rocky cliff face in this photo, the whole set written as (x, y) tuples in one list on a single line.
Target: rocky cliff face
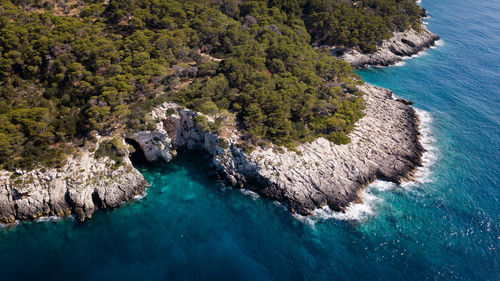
[(385, 144), (81, 186), (402, 44)]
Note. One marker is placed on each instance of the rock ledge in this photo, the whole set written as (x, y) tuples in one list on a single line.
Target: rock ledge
[(392, 51), (385, 144), (81, 186)]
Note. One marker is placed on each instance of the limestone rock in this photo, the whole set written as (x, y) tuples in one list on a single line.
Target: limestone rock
[(385, 144), (154, 145), (81, 186), (389, 52)]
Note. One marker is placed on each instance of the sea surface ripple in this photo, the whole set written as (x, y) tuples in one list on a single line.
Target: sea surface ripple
[(443, 226)]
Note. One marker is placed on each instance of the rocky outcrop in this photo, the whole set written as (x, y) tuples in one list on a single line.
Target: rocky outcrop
[(385, 144), (392, 51), (153, 145), (81, 186)]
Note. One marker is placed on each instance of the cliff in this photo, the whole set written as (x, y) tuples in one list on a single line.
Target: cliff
[(385, 144), (81, 186), (391, 51)]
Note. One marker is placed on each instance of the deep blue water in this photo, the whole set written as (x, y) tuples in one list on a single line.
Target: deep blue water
[(189, 227)]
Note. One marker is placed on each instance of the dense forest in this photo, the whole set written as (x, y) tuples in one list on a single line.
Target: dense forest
[(70, 70), (360, 24)]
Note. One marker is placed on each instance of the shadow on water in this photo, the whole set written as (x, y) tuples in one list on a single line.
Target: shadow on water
[(137, 156), (197, 163), (191, 158)]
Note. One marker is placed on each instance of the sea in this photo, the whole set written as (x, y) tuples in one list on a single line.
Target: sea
[(445, 225)]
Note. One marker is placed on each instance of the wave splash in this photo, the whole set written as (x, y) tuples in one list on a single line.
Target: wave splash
[(250, 193), (366, 209), (400, 63), (429, 157), (355, 211), (438, 43), (140, 195)]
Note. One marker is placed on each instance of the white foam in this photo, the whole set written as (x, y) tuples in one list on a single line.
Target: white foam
[(140, 196), (400, 63), (250, 193), (366, 209), (429, 157), (382, 186), (417, 55), (280, 205), (354, 211), (438, 43), (7, 225), (48, 219)]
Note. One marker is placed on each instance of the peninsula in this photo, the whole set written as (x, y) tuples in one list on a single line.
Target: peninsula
[(85, 85)]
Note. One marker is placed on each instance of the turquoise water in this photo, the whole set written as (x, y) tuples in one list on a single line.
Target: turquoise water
[(444, 227)]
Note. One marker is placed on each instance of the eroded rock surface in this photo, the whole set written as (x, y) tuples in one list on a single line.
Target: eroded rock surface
[(385, 144), (402, 44), (81, 186)]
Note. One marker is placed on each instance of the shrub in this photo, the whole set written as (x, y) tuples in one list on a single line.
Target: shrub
[(114, 149)]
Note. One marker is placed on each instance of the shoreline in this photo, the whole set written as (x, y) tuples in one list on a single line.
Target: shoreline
[(303, 183), (385, 144), (373, 153), (80, 187), (401, 46), (366, 207)]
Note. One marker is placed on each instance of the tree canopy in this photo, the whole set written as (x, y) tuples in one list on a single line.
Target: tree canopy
[(71, 69)]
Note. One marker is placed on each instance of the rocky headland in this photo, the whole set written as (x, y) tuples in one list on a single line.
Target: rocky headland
[(385, 144), (391, 51), (82, 185)]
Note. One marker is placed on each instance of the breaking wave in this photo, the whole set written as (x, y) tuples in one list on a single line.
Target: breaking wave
[(367, 208), (250, 193), (141, 195), (355, 211), (8, 225), (400, 63), (438, 43), (429, 157)]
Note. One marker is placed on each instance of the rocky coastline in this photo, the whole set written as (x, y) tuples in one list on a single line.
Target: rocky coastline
[(80, 187), (391, 51), (385, 144)]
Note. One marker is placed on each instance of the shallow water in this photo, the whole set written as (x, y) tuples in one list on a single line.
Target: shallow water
[(445, 226)]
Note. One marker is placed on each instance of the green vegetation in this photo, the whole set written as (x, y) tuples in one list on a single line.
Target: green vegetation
[(71, 69), (201, 122), (114, 149), (360, 24)]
